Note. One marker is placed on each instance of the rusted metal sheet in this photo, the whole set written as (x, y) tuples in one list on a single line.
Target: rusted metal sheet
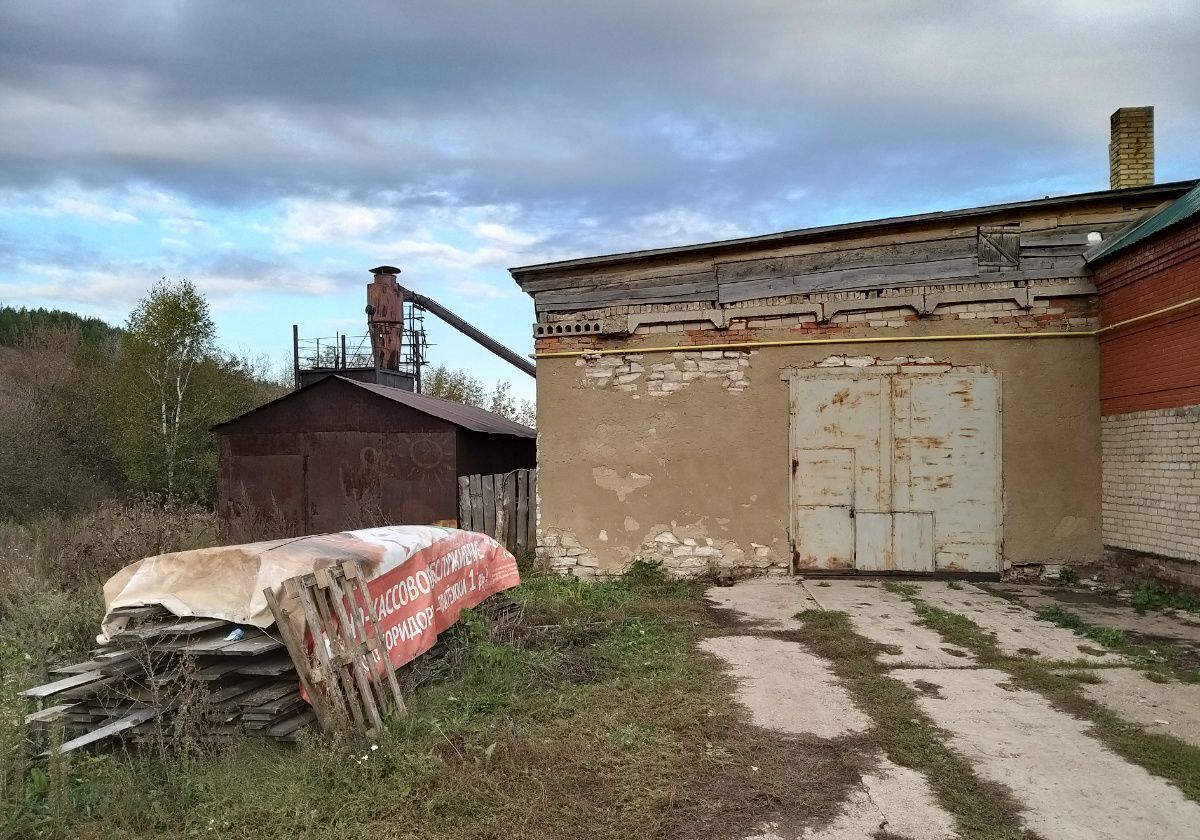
[(339, 455), (896, 471)]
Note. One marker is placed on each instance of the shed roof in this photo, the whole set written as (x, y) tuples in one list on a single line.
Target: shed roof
[(1179, 210), (1167, 192), (465, 416)]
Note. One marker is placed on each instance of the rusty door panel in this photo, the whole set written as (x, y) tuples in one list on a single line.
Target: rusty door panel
[(824, 537), (873, 541), (948, 430), (847, 411), (913, 541), (837, 465), (824, 477), (924, 454)]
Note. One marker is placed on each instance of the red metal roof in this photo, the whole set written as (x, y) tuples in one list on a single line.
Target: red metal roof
[(460, 414), (465, 416)]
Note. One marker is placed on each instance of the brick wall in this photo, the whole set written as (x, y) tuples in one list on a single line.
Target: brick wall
[(1150, 397), (1154, 363), (1151, 499)]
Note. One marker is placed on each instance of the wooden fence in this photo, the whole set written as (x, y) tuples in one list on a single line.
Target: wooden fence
[(503, 506)]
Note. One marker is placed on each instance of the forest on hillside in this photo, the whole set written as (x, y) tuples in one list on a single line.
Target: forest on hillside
[(89, 411)]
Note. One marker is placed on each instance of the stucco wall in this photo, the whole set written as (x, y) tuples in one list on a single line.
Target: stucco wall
[(633, 468)]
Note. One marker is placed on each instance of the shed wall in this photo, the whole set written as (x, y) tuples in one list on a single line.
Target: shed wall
[(335, 456)]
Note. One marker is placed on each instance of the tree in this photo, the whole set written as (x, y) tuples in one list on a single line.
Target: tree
[(160, 411), (455, 385), (55, 442), (460, 386)]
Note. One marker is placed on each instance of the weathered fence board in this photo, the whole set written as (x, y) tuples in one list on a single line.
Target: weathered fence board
[(337, 672), (502, 506)]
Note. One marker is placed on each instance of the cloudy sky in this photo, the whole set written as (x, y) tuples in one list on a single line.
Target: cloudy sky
[(272, 152)]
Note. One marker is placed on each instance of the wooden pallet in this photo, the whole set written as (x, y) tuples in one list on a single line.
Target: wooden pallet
[(349, 682)]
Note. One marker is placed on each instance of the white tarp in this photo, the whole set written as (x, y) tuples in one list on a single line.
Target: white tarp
[(227, 582)]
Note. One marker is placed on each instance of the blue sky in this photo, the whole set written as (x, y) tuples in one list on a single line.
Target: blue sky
[(272, 152)]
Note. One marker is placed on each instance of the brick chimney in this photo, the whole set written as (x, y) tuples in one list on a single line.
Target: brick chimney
[(1131, 149)]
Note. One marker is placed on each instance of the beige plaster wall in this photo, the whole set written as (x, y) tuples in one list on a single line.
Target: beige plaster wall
[(629, 468)]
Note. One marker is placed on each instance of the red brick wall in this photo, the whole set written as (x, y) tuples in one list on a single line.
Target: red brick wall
[(1154, 363)]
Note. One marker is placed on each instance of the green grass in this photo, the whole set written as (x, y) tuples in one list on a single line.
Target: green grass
[(1162, 755), (1068, 575), (984, 811), (594, 717), (1109, 637), (1151, 596)]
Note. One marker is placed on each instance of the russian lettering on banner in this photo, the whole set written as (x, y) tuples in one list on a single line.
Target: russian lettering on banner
[(424, 595)]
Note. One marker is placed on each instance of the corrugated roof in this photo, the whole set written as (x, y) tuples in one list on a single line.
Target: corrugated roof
[(466, 416), (1181, 209), (1167, 191)]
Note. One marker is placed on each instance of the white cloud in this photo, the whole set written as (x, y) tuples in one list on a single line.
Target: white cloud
[(481, 289), (505, 235), (91, 210), (185, 225), (321, 221)]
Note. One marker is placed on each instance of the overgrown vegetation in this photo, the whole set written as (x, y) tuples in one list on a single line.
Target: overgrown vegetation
[(1153, 597), (593, 716), (1109, 637), (984, 811), (1162, 755), (89, 411), (52, 569), (1068, 575)]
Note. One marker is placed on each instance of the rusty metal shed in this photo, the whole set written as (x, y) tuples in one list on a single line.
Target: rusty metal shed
[(342, 454)]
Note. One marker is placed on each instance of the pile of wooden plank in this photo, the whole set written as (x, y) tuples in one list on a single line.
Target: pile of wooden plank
[(159, 666), (162, 674)]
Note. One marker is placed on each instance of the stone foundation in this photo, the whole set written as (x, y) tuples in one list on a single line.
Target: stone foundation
[(1130, 568), (682, 551)]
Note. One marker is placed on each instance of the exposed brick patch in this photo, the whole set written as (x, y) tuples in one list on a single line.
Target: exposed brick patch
[(662, 373), (564, 554), (686, 553)]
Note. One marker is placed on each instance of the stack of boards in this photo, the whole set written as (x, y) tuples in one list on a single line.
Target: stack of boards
[(160, 663)]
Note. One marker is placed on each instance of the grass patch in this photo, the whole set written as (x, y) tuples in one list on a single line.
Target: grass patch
[(1109, 637), (595, 716), (984, 811), (1152, 597), (1162, 755), (1068, 575)]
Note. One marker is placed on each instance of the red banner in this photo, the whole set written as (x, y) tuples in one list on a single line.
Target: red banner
[(424, 595)]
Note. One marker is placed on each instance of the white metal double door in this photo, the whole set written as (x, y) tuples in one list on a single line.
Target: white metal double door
[(895, 472)]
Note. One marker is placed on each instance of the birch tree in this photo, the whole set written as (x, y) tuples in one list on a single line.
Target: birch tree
[(167, 340)]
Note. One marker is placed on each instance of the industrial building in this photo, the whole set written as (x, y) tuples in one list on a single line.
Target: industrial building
[(355, 444), (917, 394), (1149, 286)]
